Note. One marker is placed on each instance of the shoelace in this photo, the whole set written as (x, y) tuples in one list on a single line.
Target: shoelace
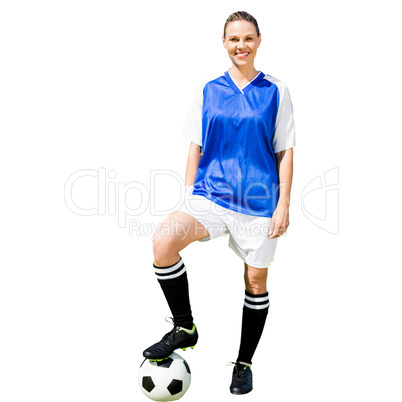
[(170, 320), (170, 335), (239, 372)]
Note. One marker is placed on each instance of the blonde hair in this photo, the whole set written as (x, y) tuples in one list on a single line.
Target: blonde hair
[(241, 16)]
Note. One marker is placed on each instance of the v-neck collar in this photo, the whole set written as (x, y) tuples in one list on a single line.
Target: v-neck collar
[(248, 87)]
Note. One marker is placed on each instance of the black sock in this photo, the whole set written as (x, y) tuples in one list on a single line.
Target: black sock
[(255, 311), (173, 281)]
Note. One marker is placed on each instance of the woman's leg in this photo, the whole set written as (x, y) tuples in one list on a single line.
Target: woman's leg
[(255, 279), (174, 234), (255, 311)]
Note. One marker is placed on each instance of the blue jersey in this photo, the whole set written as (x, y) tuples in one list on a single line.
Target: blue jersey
[(240, 130)]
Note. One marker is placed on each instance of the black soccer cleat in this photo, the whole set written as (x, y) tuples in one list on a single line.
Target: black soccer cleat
[(177, 338), (242, 379)]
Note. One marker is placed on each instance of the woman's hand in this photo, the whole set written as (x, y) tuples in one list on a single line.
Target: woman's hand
[(279, 221)]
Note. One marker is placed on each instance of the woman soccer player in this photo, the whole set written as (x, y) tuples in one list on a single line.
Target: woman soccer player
[(239, 171)]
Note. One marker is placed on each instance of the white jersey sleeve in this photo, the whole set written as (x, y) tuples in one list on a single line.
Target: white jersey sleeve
[(284, 136), (193, 122)]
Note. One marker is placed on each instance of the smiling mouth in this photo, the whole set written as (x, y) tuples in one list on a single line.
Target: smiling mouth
[(242, 55)]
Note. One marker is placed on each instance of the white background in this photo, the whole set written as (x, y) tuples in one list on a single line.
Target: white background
[(106, 85)]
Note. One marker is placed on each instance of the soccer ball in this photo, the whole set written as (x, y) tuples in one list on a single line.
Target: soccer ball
[(165, 380)]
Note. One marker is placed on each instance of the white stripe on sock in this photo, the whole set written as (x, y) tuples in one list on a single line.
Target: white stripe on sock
[(256, 307), (167, 270), (174, 275), (257, 299)]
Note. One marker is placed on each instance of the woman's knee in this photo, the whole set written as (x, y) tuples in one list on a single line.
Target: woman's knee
[(164, 250), (160, 245), (256, 280)]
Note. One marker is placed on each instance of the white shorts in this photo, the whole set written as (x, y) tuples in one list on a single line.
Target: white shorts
[(248, 234)]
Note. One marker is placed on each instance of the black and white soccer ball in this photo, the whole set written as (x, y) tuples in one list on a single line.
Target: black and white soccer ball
[(165, 380)]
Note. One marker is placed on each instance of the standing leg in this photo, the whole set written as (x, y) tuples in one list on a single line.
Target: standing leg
[(255, 311)]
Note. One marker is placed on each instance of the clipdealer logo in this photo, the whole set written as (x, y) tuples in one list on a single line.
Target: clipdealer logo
[(320, 201), (111, 197), (89, 192)]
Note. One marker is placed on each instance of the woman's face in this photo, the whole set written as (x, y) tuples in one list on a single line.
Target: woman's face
[(241, 42)]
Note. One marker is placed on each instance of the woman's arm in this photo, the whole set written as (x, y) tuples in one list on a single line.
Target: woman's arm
[(193, 160), (284, 163), (280, 218)]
